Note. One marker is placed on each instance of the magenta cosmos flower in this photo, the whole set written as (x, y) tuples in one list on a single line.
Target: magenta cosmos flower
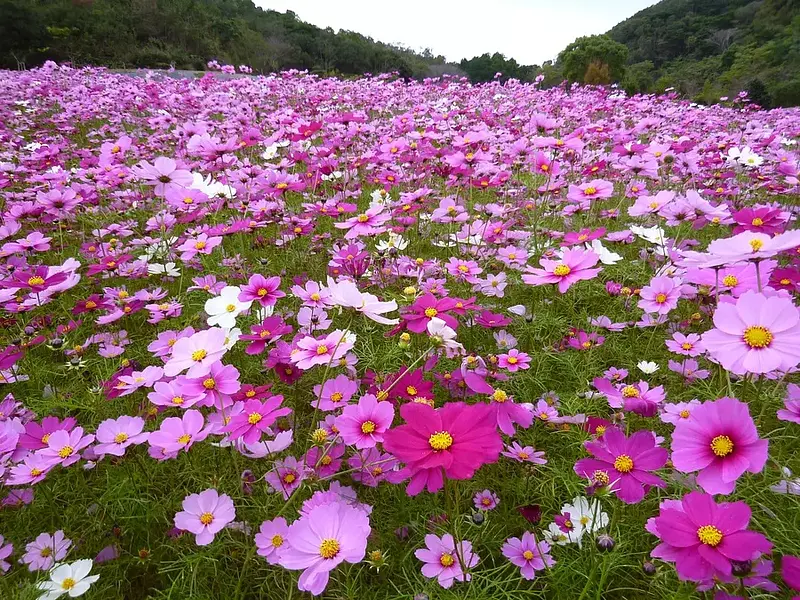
[(205, 514), (363, 425), (720, 440), (263, 290), (455, 440), (755, 334), (255, 419), (624, 464), (575, 265), (444, 562), (370, 222), (514, 360), (318, 542), (528, 554), (660, 296), (702, 537)]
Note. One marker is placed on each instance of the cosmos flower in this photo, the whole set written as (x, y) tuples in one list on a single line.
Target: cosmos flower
[(72, 579), (720, 442), (575, 265), (445, 560), (528, 554), (363, 425), (205, 514)]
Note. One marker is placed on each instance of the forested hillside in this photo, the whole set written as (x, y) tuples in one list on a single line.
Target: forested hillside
[(709, 48), (187, 33)]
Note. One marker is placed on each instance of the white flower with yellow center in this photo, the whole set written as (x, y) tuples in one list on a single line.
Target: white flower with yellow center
[(222, 310), (72, 579)]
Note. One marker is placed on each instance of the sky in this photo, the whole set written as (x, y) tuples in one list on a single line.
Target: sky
[(530, 31)]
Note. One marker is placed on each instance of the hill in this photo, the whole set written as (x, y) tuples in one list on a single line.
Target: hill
[(188, 33), (712, 48)]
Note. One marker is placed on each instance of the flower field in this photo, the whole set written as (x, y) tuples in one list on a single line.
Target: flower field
[(289, 336)]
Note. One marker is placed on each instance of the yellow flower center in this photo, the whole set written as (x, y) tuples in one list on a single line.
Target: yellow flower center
[(319, 435), (367, 427), (209, 384), (45, 438), (499, 396), (199, 355), (661, 298), (230, 308), (463, 268), (262, 292), (447, 560), (322, 350), (785, 281), (756, 245), (512, 360), (121, 438), (709, 535), (630, 392), (527, 555), (441, 440), (35, 281), (277, 540), (757, 336), (590, 190), (722, 445), (289, 478), (199, 245), (329, 548), (254, 418), (206, 518), (45, 552), (326, 460), (282, 185), (68, 583), (731, 281), (757, 222), (363, 218), (524, 455), (623, 463), (587, 344), (178, 400), (601, 477), (684, 414), (35, 472), (686, 346), (66, 451), (562, 270)]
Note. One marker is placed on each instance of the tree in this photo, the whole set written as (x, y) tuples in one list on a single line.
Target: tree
[(600, 49)]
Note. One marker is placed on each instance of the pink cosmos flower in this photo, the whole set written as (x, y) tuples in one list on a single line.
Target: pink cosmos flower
[(514, 360), (463, 270), (43, 552), (624, 464), (320, 541), (528, 554), (370, 222), (115, 435), (312, 294), (271, 538), (790, 571), (639, 398), (322, 351), (286, 476), (454, 440), (507, 413), (720, 440), (334, 393), (64, 447), (791, 410), (575, 265), (263, 290), (685, 345), (755, 334), (163, 173), (427, 307), (524, 454), (33, 469), (215, 388), (173, 394), (197, 353), (202, 244), (6, 549), (364, 424), (596, 189), (444, 562), (673, 412), (36, 435), (702, 537), (660, 296), (690, 369), (256, 419), (485, 500), (178, 433), (325, 462), (205, 514)]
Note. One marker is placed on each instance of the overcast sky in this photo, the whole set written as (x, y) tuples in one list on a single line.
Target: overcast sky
[(531, 31)]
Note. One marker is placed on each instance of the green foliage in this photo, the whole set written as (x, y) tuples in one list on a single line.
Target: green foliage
[(483, 68), (601, 49), (188, 33), (711, 48)]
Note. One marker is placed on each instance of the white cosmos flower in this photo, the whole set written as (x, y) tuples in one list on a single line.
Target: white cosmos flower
[(211, 187), (586, 517), (654, 235), (607, 257), (445, 336), (554, 536), (169, 269), (231, 337), (72, 579), (647, 367), (395, 241), (748, 158), (222, 310)]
